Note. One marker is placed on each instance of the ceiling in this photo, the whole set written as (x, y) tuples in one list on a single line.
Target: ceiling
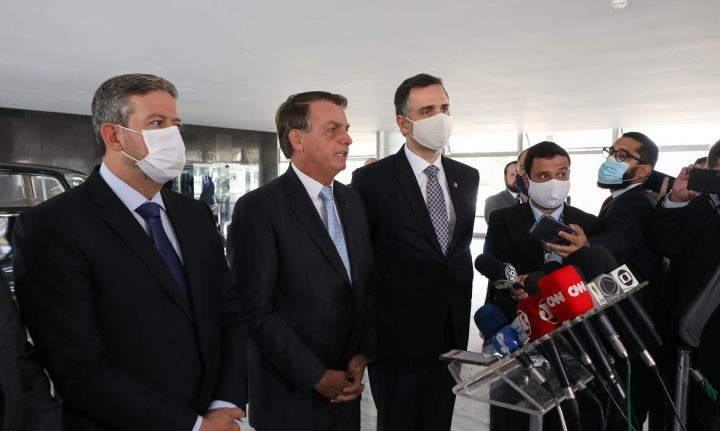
[(528, 65)]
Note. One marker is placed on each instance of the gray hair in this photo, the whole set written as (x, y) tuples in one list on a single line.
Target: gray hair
[(111, 101)]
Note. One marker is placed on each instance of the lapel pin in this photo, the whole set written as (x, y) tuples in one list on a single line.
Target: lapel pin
[(455, 184)]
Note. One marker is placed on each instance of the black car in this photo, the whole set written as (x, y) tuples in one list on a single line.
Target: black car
[(23, 186)]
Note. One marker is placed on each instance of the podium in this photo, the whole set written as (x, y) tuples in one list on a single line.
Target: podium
[(503, 382)]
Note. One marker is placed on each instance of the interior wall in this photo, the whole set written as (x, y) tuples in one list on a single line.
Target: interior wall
[(67, 140)]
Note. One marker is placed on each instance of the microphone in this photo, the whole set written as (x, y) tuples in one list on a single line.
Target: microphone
[(491, 322), (568, 297), (493, 269), (489, 319), (506, 341), (595, 261)]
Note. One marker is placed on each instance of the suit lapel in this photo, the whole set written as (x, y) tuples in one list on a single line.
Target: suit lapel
[(347, 217), (525, 222), (184, 232), (304, 209), (127, 228), (413, 195), (457, 200)]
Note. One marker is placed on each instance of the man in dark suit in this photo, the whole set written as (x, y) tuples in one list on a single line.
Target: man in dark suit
[(625, 216), (25, 401), (124, 285), (299, 250), (547, 178), (683, 229), (506, 198), (421, 209)]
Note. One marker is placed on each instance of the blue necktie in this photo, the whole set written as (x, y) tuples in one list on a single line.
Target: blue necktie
[(334, 228), (150, 212), (436, 207)]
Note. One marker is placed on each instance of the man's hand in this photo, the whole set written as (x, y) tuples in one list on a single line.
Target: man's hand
[(332, 383), (680, 192), (222, 419), (355, 371), (577, 240)]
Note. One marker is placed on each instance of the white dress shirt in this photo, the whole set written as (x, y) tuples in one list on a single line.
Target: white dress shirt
[(313, 188), (418, 165)]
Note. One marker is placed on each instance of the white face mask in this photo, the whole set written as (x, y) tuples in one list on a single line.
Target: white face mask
[(166, 153), (433, 132), (550, 194)]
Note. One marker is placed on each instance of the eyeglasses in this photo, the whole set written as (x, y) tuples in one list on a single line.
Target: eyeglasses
[(620, 155)]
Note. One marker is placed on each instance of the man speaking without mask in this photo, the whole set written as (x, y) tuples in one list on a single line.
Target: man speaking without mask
[(421, 209)]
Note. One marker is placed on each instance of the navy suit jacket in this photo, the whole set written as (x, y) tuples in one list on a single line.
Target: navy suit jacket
[(421, 292), (124, 346), (304, 315)]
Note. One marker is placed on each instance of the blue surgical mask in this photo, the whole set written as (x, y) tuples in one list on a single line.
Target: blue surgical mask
[(521, 184), (612, 171)]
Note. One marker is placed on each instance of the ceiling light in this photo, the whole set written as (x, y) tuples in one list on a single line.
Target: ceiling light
[(618, 4)]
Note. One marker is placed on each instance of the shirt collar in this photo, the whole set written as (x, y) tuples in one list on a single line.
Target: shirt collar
[(514, 195), (555, 214), (128, 195), (616, 193), (418, 164), (312, 186)]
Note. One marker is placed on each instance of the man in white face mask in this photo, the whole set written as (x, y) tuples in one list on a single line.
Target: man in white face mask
[(421, 209), (547, 178), (124, 285)]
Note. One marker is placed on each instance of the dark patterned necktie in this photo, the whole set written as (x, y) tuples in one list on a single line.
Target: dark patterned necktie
[(150, 212), (436, 207)]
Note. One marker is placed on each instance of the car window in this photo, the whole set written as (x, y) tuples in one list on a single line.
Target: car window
[(75, 179), (26, 190)]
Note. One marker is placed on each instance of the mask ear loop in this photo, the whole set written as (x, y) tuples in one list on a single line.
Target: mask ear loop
[(123, 151)]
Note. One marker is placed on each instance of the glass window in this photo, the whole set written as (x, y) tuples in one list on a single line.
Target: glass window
[(26, 190), (482, 142), (702, 135), (573, 139)]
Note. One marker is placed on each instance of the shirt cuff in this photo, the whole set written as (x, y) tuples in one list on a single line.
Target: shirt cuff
[(667, 203), (198, 424), (219, 404)]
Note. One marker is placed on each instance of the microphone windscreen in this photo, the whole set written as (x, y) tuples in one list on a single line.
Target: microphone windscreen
[(530, 284), (565, 293), (550, 266), (506, 341), (489, 319), (493, 269), (536, 317), (592, 261)]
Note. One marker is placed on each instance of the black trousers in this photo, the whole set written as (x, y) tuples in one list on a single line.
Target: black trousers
[(412, 397)]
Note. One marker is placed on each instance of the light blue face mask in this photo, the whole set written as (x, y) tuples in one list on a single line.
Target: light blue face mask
[(612, 171)]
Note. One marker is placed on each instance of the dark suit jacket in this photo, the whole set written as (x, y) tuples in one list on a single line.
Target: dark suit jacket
[(690, 234), (625, 221), (495, 202), (125, 347), (508, 239), (25, 401), (303, 313), (421, 291)]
